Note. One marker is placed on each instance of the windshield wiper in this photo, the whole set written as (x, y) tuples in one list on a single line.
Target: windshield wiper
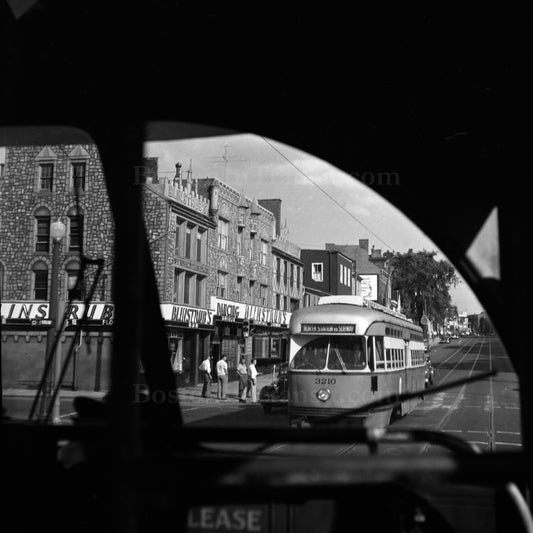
[(395, 399)]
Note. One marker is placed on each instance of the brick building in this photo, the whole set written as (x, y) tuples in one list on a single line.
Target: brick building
[(372, 268), (326, 272)]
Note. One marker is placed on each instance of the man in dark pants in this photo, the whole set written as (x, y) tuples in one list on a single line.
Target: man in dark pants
[(205, 368)]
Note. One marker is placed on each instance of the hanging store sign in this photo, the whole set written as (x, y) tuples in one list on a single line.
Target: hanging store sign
[(194, 317), (264, 316)]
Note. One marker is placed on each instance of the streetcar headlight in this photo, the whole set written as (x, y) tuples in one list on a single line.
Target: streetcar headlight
[(323, 395)]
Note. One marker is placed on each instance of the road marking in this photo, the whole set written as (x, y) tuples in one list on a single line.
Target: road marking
[(347, 449)]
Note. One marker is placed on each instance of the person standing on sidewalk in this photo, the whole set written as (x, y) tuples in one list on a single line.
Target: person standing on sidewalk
[(243, 380), (252, 379), (222, 378), (205, 369)]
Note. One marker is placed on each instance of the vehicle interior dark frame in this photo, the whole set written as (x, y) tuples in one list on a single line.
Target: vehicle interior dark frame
[(439, 95)]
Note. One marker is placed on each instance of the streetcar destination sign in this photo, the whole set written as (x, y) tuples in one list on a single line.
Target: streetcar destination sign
[(328, 328)]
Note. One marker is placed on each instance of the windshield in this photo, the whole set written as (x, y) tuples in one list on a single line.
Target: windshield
[(332, 353), (234, 264)]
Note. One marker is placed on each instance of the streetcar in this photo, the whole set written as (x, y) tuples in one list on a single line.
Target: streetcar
[(347, 352)]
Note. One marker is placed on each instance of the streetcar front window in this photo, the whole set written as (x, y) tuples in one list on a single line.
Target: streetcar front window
[(346, 353), (312, 356), (342, 353)]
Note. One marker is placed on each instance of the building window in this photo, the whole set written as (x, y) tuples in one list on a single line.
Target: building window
[(1, 282), (74, 288), (223, 232), (46, 176), (42, 232), (278, 269), (263, 290), (180, 231), (178, 274), (78, 175), (316, 271), (2, 166), (40, 281), (200, 240), (75, 243), (285, 305), (239, 288), (188, 231), (298, 278), (295, 305), (307, 300), (222, 284), (285, 272), (264, 252), (200, 289), (291, 279), (278, 301), (252, 285), (239, 241), (187, 287), (252, 241)]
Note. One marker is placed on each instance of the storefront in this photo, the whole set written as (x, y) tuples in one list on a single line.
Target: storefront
[(25, 328), (250, 330), (189, 333)]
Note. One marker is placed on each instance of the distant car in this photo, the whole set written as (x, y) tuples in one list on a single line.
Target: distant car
[(429, 373), (444, 340), (277, 393), (454, 336)]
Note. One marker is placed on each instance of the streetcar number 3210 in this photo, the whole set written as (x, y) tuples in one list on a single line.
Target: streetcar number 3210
[(325, 381)]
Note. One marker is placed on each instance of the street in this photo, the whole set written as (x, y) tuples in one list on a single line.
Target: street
[(484, 413)]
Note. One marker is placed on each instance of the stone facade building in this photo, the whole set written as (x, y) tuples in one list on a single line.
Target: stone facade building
[(40, 185), (212, 251)]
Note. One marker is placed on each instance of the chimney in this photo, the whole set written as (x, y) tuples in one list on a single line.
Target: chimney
[(363, 243), (150, 169), (376, 252)]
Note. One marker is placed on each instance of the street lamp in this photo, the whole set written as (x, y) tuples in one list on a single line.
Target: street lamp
[(57, 232)]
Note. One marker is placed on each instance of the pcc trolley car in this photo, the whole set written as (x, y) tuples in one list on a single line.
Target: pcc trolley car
[(347, 352)]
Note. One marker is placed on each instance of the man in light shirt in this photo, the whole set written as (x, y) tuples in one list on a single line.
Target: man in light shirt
[(252, 379), (205, 368), (222, 378)]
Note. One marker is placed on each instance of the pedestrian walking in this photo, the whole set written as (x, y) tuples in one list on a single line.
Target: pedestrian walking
[(222, 378), (242, 372), (252, 380), (205, 369)]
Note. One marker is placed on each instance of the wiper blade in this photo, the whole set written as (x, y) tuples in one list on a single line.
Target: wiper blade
[(395, 399)]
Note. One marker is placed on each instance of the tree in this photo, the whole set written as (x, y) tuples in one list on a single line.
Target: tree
[(424, 284)]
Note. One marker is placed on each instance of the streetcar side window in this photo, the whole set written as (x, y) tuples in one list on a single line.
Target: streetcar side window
[(379, 353)]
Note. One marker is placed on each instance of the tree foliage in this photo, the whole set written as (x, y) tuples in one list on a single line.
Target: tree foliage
[(423, 283)]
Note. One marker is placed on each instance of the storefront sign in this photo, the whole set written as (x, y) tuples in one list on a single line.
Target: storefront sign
[(328, 328), (369, 286), (36, 313), (230, 311), (193, 316)]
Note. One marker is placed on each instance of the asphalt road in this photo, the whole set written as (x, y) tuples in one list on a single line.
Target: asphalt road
[(484, 413)]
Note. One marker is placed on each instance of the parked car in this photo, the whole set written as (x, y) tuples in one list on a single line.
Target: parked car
[(277, 393)]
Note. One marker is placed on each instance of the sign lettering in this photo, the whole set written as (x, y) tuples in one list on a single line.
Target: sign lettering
[(329, 328)]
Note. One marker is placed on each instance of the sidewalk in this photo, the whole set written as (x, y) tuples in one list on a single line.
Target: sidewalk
[(192, 393)]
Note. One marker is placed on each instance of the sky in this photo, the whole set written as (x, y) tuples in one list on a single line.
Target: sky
[(320, 203)]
